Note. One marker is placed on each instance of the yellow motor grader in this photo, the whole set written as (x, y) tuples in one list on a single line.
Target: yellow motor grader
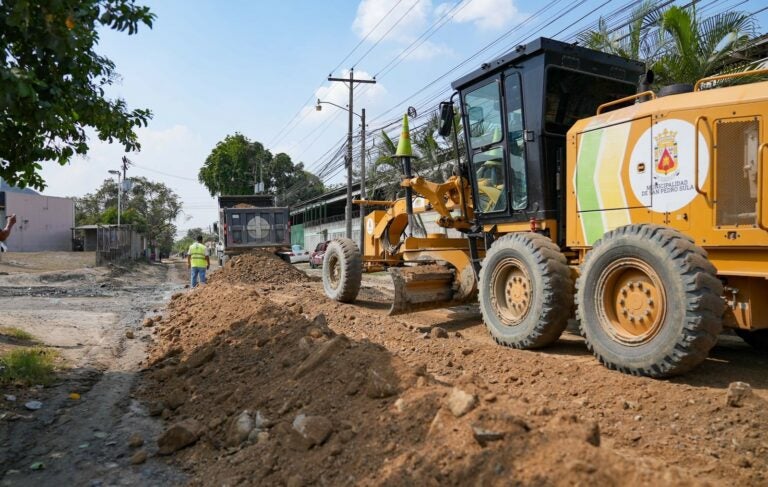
[(641, 214)]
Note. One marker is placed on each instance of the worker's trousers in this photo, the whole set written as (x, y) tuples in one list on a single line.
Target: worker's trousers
[(196, 272)]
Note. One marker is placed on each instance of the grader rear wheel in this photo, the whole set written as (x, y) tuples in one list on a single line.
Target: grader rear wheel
[(648, 301), (526, 292), (342, 270), (633, 300)]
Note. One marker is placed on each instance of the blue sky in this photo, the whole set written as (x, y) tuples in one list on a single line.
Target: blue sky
[(211, 68)]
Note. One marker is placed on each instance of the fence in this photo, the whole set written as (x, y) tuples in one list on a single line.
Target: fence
[(117, 243)]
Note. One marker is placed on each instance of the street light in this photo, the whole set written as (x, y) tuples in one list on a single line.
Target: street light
[(119, 193), (361, 116)]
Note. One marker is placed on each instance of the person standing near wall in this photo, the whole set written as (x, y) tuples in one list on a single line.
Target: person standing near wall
[(198, 261)]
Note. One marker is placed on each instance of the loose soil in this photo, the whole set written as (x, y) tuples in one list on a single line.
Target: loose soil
[(333, 394)]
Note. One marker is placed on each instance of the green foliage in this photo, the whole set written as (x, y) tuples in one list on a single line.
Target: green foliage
[(434, 157), (701, 47), (128, 216), (639, 39), (151, 207), (53, 83), (182, 244), (16, 333), (27, 366), (236, 164), (676, 43)]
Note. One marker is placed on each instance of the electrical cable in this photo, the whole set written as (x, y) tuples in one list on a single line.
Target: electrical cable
[(416, 2)]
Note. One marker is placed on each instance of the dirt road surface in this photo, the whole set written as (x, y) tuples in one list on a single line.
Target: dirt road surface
[(259, 379), (84, 313), (275, 384)]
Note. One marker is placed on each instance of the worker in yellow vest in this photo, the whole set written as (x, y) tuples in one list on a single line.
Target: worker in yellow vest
[(198, 261)]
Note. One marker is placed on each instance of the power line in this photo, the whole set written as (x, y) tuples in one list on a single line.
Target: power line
[(367, 35), (283, 132), (163, 173), (423, 37), (416, 2)]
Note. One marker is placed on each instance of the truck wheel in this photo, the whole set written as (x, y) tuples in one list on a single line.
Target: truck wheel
[(526, 291), (649, 301), (757, 338), (342, 270)]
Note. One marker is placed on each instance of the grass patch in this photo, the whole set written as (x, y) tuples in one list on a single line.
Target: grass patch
[(27, 366), (16, 333)]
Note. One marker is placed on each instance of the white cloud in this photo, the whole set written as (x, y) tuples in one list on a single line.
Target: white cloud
[(485, 14), (429, 50), (407, 19)]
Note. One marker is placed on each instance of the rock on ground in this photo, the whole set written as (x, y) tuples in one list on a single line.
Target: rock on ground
[(461, 402), (178, 436), (738, 393)]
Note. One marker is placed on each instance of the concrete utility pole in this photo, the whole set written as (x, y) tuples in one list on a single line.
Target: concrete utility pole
[(362, 179), (351, 84)]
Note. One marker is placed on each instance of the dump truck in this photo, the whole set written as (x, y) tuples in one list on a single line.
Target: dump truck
[(248, 222), (641, 214)]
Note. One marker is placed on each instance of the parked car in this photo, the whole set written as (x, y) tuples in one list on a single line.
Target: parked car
[(316, 257), (296, 254)]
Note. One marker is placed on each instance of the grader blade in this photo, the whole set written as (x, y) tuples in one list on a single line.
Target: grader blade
[(421, 288)]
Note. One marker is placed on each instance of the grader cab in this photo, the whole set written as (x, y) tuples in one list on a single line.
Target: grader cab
[(641, 215)]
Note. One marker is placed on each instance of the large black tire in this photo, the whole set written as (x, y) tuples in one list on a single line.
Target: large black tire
[(649, 301), (525, 291), (757, 338), (342, 270)]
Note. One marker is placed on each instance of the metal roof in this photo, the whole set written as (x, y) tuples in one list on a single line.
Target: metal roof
[(537, 46)]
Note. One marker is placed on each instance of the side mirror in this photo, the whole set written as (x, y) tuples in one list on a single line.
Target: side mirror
[(446, 119), (216, 228)]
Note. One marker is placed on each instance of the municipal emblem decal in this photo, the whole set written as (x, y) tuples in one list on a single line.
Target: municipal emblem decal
[(665, 154)]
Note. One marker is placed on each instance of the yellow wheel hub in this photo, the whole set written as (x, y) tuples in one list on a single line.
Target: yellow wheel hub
[(631, 301), (511, 291)]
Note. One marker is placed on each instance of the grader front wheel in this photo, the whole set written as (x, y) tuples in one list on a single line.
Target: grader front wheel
[(648, 301), (342, 270), (526, 292)]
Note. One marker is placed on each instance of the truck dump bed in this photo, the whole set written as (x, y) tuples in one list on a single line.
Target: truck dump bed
[(252, 221)]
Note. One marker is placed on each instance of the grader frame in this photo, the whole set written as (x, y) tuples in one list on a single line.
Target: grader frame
[(649, 216)]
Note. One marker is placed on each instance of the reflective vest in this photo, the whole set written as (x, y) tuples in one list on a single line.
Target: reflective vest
[(197, 255)]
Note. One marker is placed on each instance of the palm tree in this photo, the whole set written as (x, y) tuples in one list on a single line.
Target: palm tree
[(639, 39), (385, 173), (674, 42), (699, 48)]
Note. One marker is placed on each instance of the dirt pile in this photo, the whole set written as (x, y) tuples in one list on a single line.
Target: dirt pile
[(258, 267), (276, 396)]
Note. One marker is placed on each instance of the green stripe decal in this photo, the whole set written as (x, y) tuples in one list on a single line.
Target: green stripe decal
[(586, 193)]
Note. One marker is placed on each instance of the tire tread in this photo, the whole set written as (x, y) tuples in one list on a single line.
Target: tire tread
[(704, 306)]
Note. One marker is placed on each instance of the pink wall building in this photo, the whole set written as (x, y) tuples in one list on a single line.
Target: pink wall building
[(43, 223)]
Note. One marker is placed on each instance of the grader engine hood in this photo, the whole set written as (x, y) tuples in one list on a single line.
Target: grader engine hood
[(689, 161)]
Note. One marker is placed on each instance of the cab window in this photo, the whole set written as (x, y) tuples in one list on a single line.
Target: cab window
[(573, 95), (515, 141), (489, 180), (483, 108)]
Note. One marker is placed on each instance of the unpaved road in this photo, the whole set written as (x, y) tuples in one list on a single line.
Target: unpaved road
[(683, 421), (84, 314)]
